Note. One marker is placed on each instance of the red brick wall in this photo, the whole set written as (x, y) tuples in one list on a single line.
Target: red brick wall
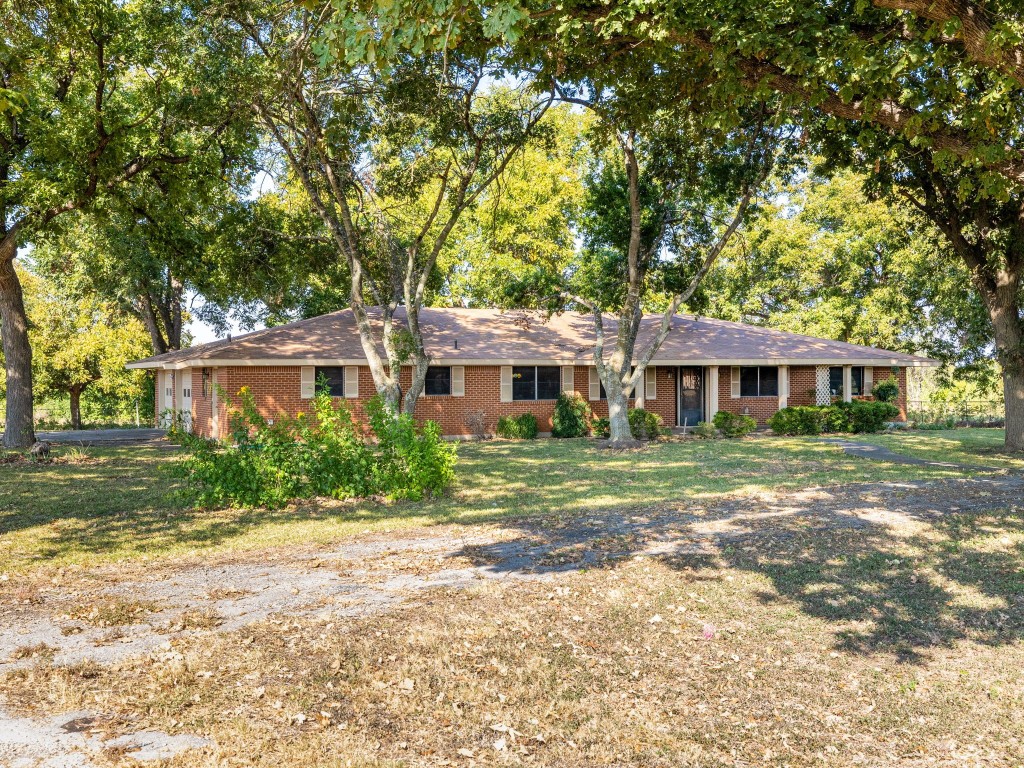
[(276, 390)]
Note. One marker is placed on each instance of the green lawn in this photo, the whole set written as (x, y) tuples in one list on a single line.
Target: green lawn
[(120, 503), (959, 446)]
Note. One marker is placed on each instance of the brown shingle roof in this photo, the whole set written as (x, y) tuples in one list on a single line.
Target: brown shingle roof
[(493, 336)]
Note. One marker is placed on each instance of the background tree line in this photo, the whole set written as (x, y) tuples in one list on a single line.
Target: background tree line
[(282, 161)]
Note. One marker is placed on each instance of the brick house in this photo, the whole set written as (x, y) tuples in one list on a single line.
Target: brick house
[(507, 363)]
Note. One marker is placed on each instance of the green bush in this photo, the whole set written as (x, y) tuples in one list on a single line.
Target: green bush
[(947, 423), (322, 454), (522, 427), (733, 424), (887, 391), (858, 416), (572, 416), (797, 420), (644, 425), (601, 427), (870, 416), (705, 430)]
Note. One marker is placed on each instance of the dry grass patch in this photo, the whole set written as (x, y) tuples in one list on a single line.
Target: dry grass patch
[(113, 613), (793, 647)]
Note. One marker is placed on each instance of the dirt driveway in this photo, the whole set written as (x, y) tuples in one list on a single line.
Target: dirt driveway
[(110, 614)]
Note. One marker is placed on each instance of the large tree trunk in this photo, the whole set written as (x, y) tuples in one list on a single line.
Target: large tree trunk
[(76, 407), (18, 429), (1008, 329), (619, 433)]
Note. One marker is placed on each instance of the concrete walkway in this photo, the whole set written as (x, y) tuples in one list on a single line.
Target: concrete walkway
[(881, 453)]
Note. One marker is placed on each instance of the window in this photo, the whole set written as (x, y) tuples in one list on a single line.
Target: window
[(438, 381), (332, 379), (835, 380), (536, 382), (759, 381), (187, 393)]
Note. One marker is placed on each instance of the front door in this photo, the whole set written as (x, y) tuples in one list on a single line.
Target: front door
[(690, 392)]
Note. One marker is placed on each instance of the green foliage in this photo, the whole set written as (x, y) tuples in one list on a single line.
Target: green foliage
[(644, 425), (705, 431), (601, 427), (859, 416), (572, 416), (322, 454), (734, 424), (887, 391), (522, 427), (942, 424), (411, 462), (798, 420)]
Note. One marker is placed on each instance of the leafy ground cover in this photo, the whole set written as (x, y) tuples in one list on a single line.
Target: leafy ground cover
[(120, 503)]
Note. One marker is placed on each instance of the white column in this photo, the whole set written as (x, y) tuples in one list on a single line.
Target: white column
[(783, 386), (712, 387), (847, 383)]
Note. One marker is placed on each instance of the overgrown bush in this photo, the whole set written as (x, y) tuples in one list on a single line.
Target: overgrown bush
[(572, 416), (522, 427), (705, 430), (887, 391), (733, 424), (325, 453), (601, 427), (797, 420), (644, 425), (870, 416)]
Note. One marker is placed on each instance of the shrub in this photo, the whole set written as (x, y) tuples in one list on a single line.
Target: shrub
[(477, 423), (887, 391), (947, 423), (572, 416), (797, 420), (644, 425), (411, 462), (869, 416), (601, 427), (323, 454), (733, 424), (705, 430), (522, 427)]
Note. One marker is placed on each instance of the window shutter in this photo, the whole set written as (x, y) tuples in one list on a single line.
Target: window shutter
[(595, 384), (458, 380), (352, 381), (734, 380), (868, 375), (506, 383), (568, 378), (651, 383), (307, 382)]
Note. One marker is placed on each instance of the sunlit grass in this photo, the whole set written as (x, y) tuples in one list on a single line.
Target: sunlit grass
[(974, 446), (122, 503)]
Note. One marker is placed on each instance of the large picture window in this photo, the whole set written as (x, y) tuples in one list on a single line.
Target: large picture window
[(536, 382), (438, 381), (333, 377), (835, 380), (759, 381)]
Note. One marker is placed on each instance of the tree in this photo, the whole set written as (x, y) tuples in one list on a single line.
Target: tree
[(825, 260), (80, 342), (389, 162), (658, 220), (95, 98), (927, 94)]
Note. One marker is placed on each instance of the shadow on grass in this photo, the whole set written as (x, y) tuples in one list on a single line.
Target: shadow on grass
[(900, 577)]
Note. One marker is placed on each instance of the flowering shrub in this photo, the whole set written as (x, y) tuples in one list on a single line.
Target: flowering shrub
[(325, 453)]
